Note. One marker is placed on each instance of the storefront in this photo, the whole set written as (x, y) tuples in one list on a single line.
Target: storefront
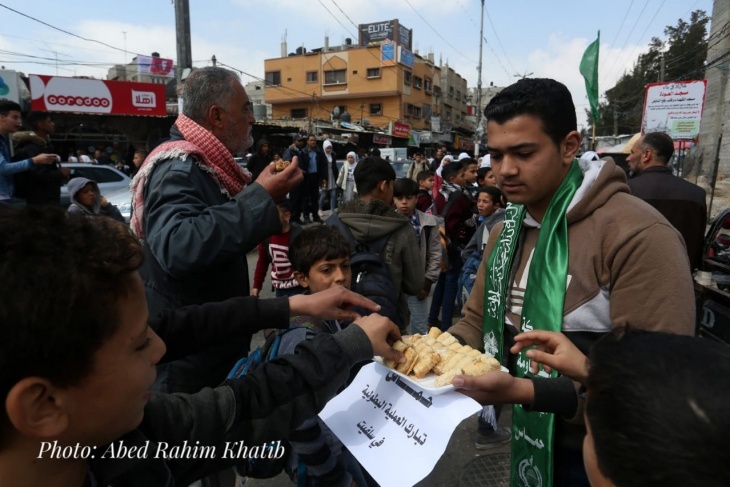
[(114, 116)]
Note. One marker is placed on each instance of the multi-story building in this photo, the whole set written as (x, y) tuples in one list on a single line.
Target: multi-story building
[(373, 83), (454, 98), (356, 80)]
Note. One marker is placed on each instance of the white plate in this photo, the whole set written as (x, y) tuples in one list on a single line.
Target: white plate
[(427, 384)]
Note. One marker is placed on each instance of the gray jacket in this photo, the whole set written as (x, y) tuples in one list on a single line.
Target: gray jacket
[(369, 221)]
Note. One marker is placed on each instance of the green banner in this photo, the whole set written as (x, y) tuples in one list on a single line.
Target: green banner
[(532, 432), (589, 70)]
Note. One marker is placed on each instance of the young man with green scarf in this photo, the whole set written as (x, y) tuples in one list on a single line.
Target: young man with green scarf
[(576, 253)]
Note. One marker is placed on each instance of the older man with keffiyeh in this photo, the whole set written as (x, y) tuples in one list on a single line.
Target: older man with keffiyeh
[(198, 213)]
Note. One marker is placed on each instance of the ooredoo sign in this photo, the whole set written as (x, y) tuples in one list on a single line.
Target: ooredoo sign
[(59, 94)]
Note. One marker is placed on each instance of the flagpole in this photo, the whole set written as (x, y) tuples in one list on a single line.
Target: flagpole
[(593, 138)]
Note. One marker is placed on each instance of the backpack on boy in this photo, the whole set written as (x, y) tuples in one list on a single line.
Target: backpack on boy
[(267, 467), (370, 275)]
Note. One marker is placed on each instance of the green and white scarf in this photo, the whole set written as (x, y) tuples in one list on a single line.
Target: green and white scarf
[(532, 432)]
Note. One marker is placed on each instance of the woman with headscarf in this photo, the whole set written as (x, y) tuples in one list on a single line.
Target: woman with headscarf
[(330, 191), (346, 178)]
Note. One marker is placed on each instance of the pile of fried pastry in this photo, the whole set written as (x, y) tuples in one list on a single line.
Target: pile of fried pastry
[(280, 165), (442, 354)]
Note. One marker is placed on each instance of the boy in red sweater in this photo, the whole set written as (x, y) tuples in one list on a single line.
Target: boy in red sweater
[(275, 251)]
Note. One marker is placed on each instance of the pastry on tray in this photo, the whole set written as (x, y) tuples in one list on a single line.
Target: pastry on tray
[(441, 354)]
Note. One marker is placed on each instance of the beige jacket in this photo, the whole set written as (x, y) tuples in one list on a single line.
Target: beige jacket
[(627, 266)]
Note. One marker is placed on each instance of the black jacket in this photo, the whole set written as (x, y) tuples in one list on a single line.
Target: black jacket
[(42, 184), (260, 160), (321, 164), (265, 405), (195, 252), (681, 202)]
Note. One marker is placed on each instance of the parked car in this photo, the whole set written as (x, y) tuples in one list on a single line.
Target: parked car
[(713, 301), (401, 167), (109, 179)]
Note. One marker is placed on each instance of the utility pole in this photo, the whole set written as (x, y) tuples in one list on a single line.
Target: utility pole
[(182, 30), (615, 120), (661, 69), (477, 131)]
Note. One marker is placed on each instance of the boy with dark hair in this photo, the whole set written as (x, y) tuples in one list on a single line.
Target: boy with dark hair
[(490, 211), (10, 122), (678, 381), (77, 358), (274, 250), (454, 204), (426, 228), (371, 218), (320, 258), (424, 201), (471, 166), (576, 253)]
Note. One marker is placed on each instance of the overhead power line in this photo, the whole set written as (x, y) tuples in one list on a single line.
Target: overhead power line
[(61, 30)]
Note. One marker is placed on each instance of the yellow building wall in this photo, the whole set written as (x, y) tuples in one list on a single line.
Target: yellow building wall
[(319, 99)]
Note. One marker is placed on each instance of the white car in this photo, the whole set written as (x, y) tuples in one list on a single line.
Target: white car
[(110, 179), (122, 199)]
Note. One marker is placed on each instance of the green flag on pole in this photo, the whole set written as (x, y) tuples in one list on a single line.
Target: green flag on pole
[(589, 70)]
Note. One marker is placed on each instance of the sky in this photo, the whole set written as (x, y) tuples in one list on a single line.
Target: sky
[(537, 38)]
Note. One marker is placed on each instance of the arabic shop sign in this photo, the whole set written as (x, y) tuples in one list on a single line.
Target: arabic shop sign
[(674, 108), (401, 129), (381, 139), (95, 96)]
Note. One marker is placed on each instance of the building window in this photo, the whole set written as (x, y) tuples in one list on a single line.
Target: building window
[(373, 72), (407, 77), (413, 111), (427, 84), (417, 82), (427, 111), (336, 77), (437, 91), (298, 113), (312, 76), (451, 91), (273, 78), (376, 109)]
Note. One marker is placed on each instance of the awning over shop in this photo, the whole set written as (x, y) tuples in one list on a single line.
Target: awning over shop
[(96, 97)]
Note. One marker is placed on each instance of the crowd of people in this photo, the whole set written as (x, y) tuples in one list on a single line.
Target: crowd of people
[(581, 289)]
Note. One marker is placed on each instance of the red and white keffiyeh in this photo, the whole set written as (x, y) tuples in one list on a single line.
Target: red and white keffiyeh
[(209, 153)]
